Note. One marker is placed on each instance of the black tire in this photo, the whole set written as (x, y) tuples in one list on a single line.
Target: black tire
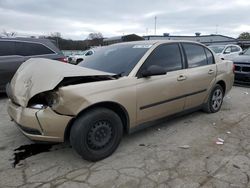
[(96, 134), (214, 104)]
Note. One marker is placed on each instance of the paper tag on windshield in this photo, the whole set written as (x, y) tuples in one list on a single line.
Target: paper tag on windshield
[(142, 46)]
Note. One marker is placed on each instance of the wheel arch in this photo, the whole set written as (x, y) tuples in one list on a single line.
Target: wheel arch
[(222, 83), (116, 107)]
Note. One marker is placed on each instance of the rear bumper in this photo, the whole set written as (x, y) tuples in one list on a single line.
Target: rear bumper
[(39, 124)]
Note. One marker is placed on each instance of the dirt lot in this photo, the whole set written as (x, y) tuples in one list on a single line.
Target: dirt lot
[(149, 158)]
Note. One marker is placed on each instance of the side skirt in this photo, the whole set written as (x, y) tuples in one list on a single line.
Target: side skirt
[(163, 120)]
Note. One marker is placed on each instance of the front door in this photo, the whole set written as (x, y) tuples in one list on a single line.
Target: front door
[(161, 95)]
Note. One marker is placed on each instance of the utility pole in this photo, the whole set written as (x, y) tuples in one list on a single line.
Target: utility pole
[(155, 24)]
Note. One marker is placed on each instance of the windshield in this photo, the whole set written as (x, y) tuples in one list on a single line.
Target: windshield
[(117, 59), (217, 49), (247, 52)]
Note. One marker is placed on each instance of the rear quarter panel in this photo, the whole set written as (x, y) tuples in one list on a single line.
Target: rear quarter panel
[(225, 73)]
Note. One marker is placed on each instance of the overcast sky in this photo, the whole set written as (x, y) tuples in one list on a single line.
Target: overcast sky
[(75, 19)]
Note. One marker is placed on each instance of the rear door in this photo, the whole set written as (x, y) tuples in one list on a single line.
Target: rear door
[(158, 96), (200, 73)]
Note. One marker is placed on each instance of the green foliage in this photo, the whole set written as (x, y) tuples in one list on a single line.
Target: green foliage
[(244, 35)]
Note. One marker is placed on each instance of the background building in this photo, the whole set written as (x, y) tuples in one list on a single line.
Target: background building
[(212, 39)]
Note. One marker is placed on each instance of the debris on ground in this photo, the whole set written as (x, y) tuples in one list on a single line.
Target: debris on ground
[(246, 93), (159, 129), (228, 97), (220, 139), (214, 123), (219, 143), (228, 132), (235, 166), (185, 146)]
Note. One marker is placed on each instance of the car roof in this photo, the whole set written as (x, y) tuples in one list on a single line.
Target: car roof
[(43, 41), (152, 42)]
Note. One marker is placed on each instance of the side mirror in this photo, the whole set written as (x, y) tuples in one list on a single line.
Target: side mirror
[(153, 70)]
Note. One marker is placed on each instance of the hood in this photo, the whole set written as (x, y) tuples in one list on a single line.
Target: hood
[(242, 59), (38, 75)]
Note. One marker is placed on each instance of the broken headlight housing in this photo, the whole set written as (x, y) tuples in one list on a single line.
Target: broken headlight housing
[(43, 100)]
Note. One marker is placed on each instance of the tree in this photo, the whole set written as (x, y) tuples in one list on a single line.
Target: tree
[(57, 37), (92, 36), (94, 39), (8, 34), (244, 35)]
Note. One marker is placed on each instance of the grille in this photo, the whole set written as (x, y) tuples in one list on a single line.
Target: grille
[(245, 69)]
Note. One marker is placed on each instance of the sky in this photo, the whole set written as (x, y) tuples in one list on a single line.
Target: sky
[(75, 19)]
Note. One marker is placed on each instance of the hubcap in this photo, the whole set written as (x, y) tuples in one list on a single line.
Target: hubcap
[(99, 135), (217, 99)]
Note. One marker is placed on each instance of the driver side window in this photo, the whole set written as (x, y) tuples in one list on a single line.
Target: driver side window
[(167, 56)]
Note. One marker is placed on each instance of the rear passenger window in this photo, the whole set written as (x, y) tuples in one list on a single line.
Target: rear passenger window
[(29, 49), (167, 56), (7, 48), (210, 57), (235, 49), (195, 55)]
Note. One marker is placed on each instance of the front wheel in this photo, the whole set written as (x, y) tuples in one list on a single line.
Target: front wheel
[(215, 100), (96, 134)]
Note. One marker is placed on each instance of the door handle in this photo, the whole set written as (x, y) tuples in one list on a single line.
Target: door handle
[(181, 78), (210, 71)]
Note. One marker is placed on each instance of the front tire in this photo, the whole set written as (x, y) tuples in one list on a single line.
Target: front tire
[(96, 134), (215, 100)]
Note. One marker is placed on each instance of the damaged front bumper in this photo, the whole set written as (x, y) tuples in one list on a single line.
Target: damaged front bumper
[(39, 124)]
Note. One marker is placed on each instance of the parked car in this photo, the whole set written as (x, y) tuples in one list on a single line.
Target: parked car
[(242, 67), (14, 51), (79, 57), (226, 51), (122, 88)]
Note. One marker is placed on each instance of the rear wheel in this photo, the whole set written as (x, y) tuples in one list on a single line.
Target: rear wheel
[(96, 134), (215, 100)]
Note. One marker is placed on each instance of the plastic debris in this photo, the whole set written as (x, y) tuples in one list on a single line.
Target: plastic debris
[(246, 93), (228, 132), (142, 145), (185, 146), (220, 139), (219, 143), (214, 124)]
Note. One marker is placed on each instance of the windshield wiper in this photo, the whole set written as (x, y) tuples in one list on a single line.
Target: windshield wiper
[(119, 75)]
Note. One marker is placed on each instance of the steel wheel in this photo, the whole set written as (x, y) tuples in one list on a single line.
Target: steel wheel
[(96, 133), (99, 135)]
